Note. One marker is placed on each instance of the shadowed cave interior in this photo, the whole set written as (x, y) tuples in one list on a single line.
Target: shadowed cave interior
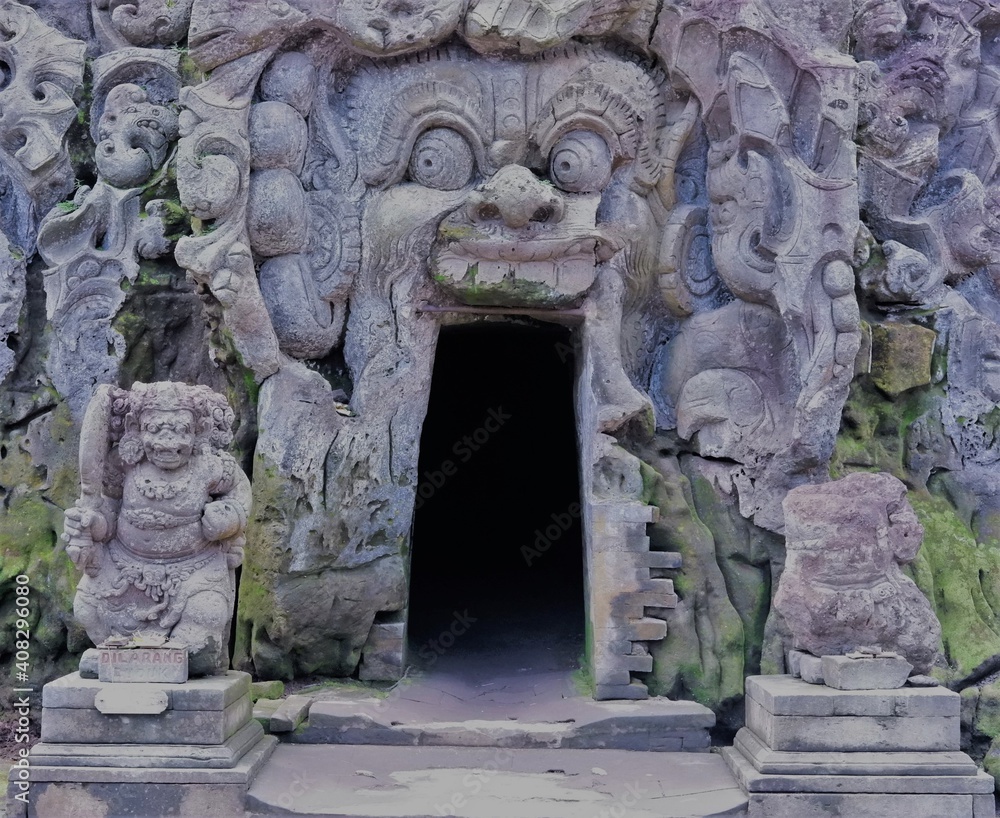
[(497, 531)]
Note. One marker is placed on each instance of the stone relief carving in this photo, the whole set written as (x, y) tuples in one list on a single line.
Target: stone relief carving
[(120, 23), (683, 177), (99, 241), (767, 186), (537, 179), (40, 71), (842, 586), (158, 528), (928, 168)]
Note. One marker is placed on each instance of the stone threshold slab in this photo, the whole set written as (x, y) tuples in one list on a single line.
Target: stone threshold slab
[(246, 768), (207, 756), (788, 696), (776, 762), (652, 725), (408, 782), (753, 781)]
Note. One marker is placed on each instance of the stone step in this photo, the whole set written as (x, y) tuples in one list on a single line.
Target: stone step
[(416, 782), (658, 725)]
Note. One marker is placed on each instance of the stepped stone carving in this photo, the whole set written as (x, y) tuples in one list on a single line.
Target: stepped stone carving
[(158, 529), (842, 586)]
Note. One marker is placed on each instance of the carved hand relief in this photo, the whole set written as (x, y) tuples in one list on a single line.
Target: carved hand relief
[(158, 528)]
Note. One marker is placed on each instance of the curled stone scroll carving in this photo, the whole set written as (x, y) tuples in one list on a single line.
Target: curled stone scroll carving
[(98, 242)]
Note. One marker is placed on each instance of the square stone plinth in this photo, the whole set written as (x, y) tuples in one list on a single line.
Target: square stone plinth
[(862, 796), (58, 791), (201, 712), (208, 693), (811, 751), (793, 716)]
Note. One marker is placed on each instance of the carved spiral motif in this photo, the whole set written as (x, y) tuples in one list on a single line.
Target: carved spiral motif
[(580, 162), (441, 159)]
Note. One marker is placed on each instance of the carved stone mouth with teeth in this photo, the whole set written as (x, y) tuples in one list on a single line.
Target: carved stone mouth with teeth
[(539, 264)]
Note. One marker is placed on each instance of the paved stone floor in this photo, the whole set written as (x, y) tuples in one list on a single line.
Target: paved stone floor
[(412, 782), (505, 684)]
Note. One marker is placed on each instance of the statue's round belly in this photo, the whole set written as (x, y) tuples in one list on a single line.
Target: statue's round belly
[(150, 535)]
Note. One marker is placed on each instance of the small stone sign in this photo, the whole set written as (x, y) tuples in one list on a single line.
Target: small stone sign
[(142, 664), (131, 700)]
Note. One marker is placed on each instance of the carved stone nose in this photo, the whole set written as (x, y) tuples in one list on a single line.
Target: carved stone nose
[(515, 196)]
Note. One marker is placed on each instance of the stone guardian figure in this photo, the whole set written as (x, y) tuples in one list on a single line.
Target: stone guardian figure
[(158, 529)]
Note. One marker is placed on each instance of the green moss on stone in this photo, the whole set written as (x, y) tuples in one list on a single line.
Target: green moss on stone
[(702, 654), (950, 569)]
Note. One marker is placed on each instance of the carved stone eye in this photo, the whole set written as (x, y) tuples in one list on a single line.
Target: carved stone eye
[(580, 162), (441, 159)]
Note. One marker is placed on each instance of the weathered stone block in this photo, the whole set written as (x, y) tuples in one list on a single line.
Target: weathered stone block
[(875, 673), (773, 762), (784, 695), (170, 727), (207, 693), (901, 356)]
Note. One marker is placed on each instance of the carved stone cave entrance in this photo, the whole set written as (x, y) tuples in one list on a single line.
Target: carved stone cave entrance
[(496, 572)]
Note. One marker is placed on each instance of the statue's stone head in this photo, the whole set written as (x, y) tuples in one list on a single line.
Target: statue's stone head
[(531, 171), (134, 136), (842, 586), (167, 422)]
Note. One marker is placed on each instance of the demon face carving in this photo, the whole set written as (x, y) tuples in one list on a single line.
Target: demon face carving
[(539, 170)]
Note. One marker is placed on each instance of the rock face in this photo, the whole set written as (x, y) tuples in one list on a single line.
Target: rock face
[(771, 228), (842, 586), (158, 528)]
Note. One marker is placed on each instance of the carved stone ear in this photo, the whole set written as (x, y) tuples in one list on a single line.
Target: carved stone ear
[(130, 447)]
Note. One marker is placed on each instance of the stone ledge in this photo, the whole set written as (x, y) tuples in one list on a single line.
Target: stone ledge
[(854, 733), (649, 725), (243, 772), (777, 762), (788, 696), (753, 781), (208, 693), (212, 756)]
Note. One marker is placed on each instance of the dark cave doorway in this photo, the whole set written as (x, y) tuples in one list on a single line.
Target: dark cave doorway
[(496, 572)]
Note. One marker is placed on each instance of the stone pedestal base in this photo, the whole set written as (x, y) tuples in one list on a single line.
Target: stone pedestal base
[(810, 752), (196, 757)]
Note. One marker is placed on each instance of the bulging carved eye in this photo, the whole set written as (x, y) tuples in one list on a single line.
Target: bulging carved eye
[(441, 159), (580, 162)]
